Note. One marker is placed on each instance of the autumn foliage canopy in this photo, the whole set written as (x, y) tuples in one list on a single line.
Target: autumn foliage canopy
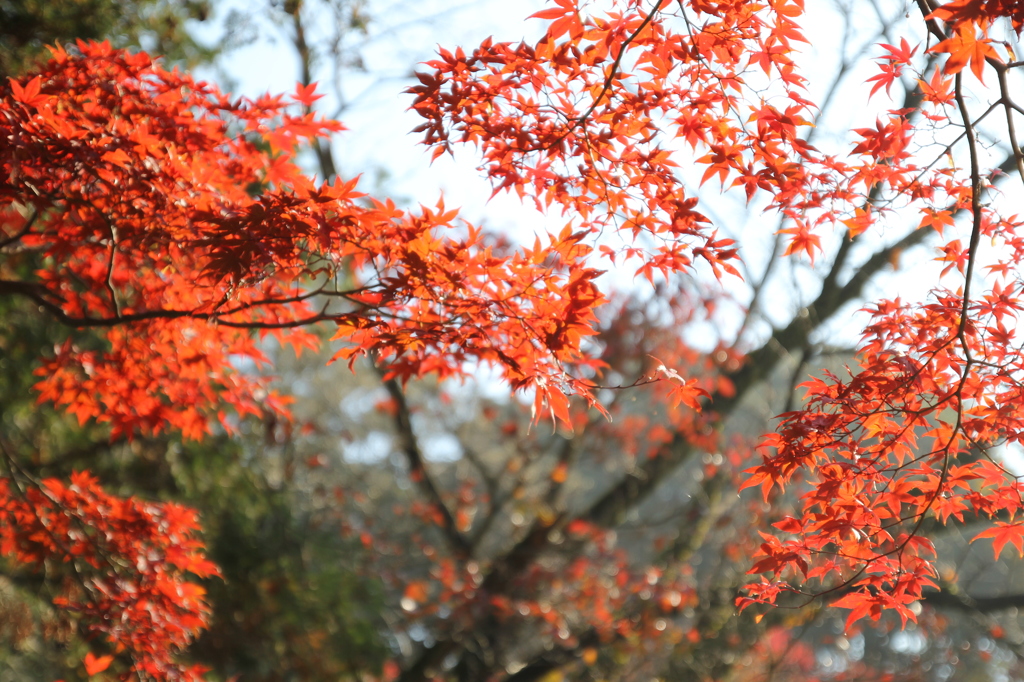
[(175, 222)]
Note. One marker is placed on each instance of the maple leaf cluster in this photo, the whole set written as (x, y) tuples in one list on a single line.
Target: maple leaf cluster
[(980, 12), (161, 220), (126, 567), (174, 223)]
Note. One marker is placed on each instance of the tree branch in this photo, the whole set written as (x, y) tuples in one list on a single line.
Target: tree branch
[(418, 471), (959, 601)]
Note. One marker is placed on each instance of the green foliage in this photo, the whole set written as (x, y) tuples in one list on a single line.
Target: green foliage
[(291, 605), (159, 26)]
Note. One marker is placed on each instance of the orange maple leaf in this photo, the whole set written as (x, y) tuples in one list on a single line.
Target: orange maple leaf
[(96, 664), (1002, 534), (966, 47)]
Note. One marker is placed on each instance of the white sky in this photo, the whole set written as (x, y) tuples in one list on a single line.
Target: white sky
[(403, 34)]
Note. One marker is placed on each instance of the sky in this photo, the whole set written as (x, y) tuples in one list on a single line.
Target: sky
[(378, 144)]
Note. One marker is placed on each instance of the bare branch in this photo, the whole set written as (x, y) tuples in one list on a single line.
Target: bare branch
[(418, 470)]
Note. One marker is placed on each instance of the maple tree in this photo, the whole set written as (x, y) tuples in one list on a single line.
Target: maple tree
[(145, 260), (147, 206)]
